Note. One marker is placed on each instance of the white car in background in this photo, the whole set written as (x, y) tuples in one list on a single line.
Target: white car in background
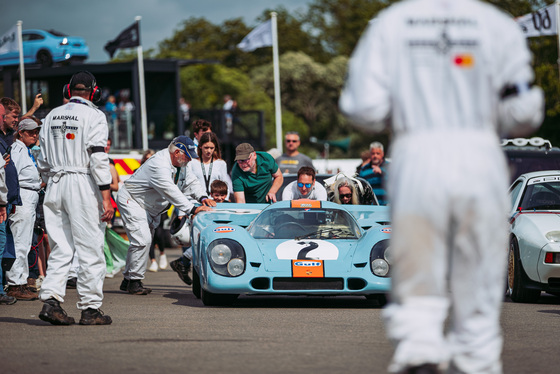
[(534, 249)]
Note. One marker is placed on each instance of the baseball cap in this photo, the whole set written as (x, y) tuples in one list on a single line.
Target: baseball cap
[(185, 144), (27, 124), (243, 151), (83, 77)]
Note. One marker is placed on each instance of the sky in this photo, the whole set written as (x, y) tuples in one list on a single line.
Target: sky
[(99, 21)]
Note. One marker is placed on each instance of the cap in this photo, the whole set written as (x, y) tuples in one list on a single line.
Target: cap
[(243, 151), (83, 77), (27, 124), (185, 144)]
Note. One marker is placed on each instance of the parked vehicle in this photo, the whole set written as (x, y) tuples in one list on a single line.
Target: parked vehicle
[(534, 249), (46, 48)]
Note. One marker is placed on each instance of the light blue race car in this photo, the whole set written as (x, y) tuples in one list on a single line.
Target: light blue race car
[(299, 247)]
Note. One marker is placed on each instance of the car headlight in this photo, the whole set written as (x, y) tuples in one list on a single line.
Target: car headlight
[(64, 41), (236, 267), (380, 259), (380, 267), (220, 254), (226, 257), (553, 236)]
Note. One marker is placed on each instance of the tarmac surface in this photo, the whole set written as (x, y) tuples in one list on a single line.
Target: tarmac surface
[(170, 331)]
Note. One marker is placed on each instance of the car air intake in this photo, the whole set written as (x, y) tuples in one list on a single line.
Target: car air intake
[(307, 284), (260, 283), (356, 283)]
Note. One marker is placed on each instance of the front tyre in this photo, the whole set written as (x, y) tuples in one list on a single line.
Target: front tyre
[(215, 299), (517, 291), (196, 284), (44, 59), (381, 299)]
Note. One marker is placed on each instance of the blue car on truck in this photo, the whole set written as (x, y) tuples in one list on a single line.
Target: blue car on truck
[(46, 48), (299, 247)]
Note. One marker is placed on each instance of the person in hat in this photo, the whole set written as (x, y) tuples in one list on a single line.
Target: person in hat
[(255, 176), (22, 220), (159, 181), (77, 202)]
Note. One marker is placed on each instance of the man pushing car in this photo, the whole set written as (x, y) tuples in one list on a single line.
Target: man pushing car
[(146, 194)]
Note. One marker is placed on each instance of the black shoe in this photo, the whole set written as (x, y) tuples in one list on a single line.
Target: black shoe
[(136, 287), (7, 300), (423, 369), (71, 283), (181, 270), (124, 285), (52, 312), (94, 317)]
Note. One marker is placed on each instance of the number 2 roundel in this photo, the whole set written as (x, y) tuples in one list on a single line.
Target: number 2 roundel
[(307, 249)]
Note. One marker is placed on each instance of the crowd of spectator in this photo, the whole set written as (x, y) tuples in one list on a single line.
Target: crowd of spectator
[(190, 174)]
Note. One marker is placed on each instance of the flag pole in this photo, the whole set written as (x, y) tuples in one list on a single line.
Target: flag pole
[(21, 68), (142, 89), (277, 101), (557, 8)]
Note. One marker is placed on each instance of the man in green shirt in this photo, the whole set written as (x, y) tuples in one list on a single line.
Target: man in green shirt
[(255, 176)]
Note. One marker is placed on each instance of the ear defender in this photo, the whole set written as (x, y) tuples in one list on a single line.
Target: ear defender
[(95, 95), (66, 91)]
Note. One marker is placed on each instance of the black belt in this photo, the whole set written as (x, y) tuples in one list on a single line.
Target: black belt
[(30, 189)]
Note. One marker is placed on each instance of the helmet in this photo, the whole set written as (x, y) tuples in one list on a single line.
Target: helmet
[(180, 230)]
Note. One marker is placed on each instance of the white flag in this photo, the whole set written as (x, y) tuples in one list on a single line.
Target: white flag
[(539, 23), (260, 36), (8, 41)]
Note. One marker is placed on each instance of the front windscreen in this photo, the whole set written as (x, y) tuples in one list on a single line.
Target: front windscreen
[(291, 223), (542, 194)]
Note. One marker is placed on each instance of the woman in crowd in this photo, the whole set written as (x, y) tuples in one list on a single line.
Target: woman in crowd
[(22, 221), (210, 165), (345, 192)]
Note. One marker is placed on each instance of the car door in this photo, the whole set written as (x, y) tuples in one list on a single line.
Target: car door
[(32, 43)]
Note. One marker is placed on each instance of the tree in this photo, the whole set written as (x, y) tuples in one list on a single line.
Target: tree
[(204, 86), (340, 23)]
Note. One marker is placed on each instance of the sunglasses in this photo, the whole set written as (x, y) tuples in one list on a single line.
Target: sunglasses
[(346, 196), (307, 185), (291, 141)]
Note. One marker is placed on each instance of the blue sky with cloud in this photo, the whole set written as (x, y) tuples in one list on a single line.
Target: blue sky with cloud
[(102, 20)]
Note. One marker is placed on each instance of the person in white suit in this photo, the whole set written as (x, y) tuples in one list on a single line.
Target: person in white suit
[(450, 77), (77, 201), (144, 196)]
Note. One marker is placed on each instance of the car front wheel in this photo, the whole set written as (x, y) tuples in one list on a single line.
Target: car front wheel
[(44, 59), (196, 284), (214, 299), (517, 291)]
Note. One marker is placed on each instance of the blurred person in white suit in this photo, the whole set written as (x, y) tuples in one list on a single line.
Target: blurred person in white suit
[(451, 77)]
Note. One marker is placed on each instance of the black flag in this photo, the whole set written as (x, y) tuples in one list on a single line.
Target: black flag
[(128, 38)]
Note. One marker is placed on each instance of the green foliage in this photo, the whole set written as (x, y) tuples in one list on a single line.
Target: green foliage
[(314, 45), (340, 23), (205, 85)]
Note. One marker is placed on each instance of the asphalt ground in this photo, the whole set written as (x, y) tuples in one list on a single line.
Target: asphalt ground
[(170, 331)]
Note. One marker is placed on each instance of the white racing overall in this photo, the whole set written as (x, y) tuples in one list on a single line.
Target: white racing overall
[(72, 157), (23, 220), (435, 70), (142, 199)]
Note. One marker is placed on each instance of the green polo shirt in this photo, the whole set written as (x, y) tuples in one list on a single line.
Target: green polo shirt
[(255, 186)]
